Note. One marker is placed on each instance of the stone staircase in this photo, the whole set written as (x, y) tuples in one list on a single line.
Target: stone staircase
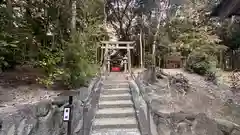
[(116, 113)]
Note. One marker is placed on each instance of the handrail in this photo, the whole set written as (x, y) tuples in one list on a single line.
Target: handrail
[(146, 100)]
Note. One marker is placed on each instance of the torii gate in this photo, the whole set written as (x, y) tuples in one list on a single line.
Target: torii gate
[(106, 45)]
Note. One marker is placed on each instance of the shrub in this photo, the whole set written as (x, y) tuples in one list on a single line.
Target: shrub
[(211, 76), (198, 62), (79, 57), (148, 59), (75, 64), (180, 82)]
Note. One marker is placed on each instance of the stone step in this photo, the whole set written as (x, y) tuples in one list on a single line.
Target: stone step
[(115, 104), (116, 95), (111, 97), (121, 80), (115, 86), (111, 92), (117, 89), (116, 81), (115, 123), (115, 113), (133, 131)]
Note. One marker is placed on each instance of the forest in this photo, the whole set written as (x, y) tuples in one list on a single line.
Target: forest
[(60, 37)]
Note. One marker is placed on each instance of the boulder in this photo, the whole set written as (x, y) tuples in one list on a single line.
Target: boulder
[(202, 125), (235, 132)]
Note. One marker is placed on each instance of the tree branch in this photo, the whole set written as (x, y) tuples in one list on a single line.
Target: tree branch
[(127, 4)]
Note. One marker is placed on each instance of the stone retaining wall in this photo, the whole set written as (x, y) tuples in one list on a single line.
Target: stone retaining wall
[(171, 122), (43, 118), (180, 123)]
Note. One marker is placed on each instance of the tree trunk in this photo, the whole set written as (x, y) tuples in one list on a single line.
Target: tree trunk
[(144, 48), (154, 43), (74, 14), (141, 49), (105, 13), (10, 12), (162, 12)]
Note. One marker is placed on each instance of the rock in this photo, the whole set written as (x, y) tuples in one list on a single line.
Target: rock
[(42, 118), (155, 118), (184, 128), (30, 126), (1, 123), (43, 108), (225, 126), (164, 127), (205, 126), (11, 131), (181, 116), (180, 83), (21, 127), (235, 132), (60, 101)]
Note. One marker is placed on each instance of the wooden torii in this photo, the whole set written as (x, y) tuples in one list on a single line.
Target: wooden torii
[(107, 45)]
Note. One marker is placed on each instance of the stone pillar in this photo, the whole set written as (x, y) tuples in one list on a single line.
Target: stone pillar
[(125, 64), (106, 58), (129, 58), (108, 64), (101, 56)]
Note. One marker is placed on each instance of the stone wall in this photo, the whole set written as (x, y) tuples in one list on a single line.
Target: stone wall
[(173, 116), (180, 123), (43, 118)]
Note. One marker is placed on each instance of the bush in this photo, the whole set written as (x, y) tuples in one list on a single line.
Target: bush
[(79, 60), (74, 64), (72, 67), (211, 76), (180, 82), (198, 63), (148, 59)]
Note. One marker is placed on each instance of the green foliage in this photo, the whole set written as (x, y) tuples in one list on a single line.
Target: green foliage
[(50, 63), (148, 59), (211, 76), (77, 63), (193, 34), (79, 58), (198, 62), (38, 32)]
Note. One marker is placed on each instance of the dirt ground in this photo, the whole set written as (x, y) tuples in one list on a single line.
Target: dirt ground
[(20, 87), (217, 101)]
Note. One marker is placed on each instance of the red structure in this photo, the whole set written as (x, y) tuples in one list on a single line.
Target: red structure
[(116, 69)]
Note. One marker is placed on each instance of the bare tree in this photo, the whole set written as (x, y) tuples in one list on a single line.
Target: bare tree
[(121, 15)]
